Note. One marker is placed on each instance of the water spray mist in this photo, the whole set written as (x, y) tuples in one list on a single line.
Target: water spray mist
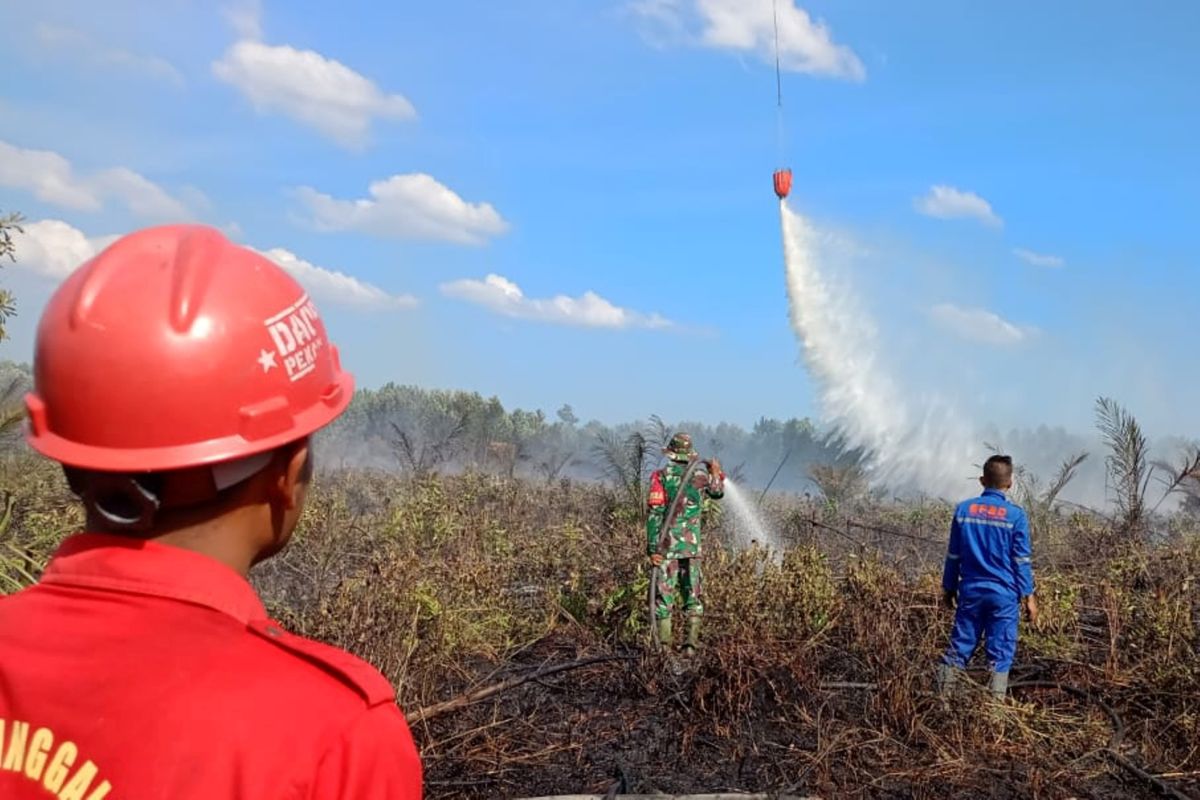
[(920, 446)]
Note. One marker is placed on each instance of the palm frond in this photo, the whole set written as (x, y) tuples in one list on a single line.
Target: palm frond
[(1127, 464), (1066, 473)]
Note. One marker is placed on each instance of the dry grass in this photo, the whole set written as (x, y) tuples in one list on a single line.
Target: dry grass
[(817, 669)]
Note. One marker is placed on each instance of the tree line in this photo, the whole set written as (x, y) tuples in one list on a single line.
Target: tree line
[(423, 431), (430, 430)]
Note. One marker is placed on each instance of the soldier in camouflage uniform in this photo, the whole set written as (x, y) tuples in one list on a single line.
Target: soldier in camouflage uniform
[(677, 552)]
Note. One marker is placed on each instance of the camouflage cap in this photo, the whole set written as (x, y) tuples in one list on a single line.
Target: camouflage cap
[(680, 447)]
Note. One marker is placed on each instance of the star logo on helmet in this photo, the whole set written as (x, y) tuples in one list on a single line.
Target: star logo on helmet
[(267, 359)]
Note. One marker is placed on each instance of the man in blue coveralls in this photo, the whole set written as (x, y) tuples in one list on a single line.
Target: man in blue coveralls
[(989, 571)]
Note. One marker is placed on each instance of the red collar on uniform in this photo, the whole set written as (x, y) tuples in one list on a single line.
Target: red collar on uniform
[(134, 566)]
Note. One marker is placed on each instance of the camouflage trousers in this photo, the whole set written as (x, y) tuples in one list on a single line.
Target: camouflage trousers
[(680, 577)]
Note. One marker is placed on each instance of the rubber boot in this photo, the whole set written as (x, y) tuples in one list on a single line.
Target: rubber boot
[(665, 639), (692, 644), (999, 685), (947, 677)]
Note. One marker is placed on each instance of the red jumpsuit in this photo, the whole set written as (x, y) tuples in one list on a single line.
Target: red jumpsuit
[(136, 670)]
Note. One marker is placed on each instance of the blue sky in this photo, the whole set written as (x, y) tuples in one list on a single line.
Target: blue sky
[(1010, 189)]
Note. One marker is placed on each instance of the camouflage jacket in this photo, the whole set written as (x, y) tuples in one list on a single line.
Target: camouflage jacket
[(683, 540)]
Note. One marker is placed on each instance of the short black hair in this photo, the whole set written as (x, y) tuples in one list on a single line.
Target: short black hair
[(998, 470)]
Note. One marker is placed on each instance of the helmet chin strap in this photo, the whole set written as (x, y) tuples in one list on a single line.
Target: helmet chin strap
[(122, 501), (131, 502)]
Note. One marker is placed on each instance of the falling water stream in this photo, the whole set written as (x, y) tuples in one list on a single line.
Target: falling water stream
[(747, 524), (916, 443)]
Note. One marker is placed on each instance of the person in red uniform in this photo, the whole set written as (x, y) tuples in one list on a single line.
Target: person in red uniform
[(178, 379)]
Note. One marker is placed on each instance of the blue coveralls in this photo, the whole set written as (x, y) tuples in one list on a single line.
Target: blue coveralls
[(989, 565)]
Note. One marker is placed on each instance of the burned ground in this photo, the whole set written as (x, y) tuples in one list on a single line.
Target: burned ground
[(816, 673)]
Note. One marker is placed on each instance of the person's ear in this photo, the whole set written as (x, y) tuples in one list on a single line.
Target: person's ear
[(289, 482)]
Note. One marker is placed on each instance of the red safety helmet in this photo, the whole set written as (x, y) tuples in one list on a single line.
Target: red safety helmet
[(177, 348)]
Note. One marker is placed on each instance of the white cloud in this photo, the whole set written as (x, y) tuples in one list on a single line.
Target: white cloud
[(1038, 259), (946, 202), (337, 287), (54, 249), (979, 324), (588, 310), (748, 26), (51, 179), (308, 87), (77, 45), (46, 174), (142, 196), (412, 206)]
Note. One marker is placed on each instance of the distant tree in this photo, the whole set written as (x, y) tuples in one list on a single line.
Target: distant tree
[(488, 424), (525, 429), (554, 460), (9, 223), (12, 388), (566, 415), (839, 484), (1183, 477), (427, 430), (627, 461), (433, 434), (1127, 464), (555, 447)]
